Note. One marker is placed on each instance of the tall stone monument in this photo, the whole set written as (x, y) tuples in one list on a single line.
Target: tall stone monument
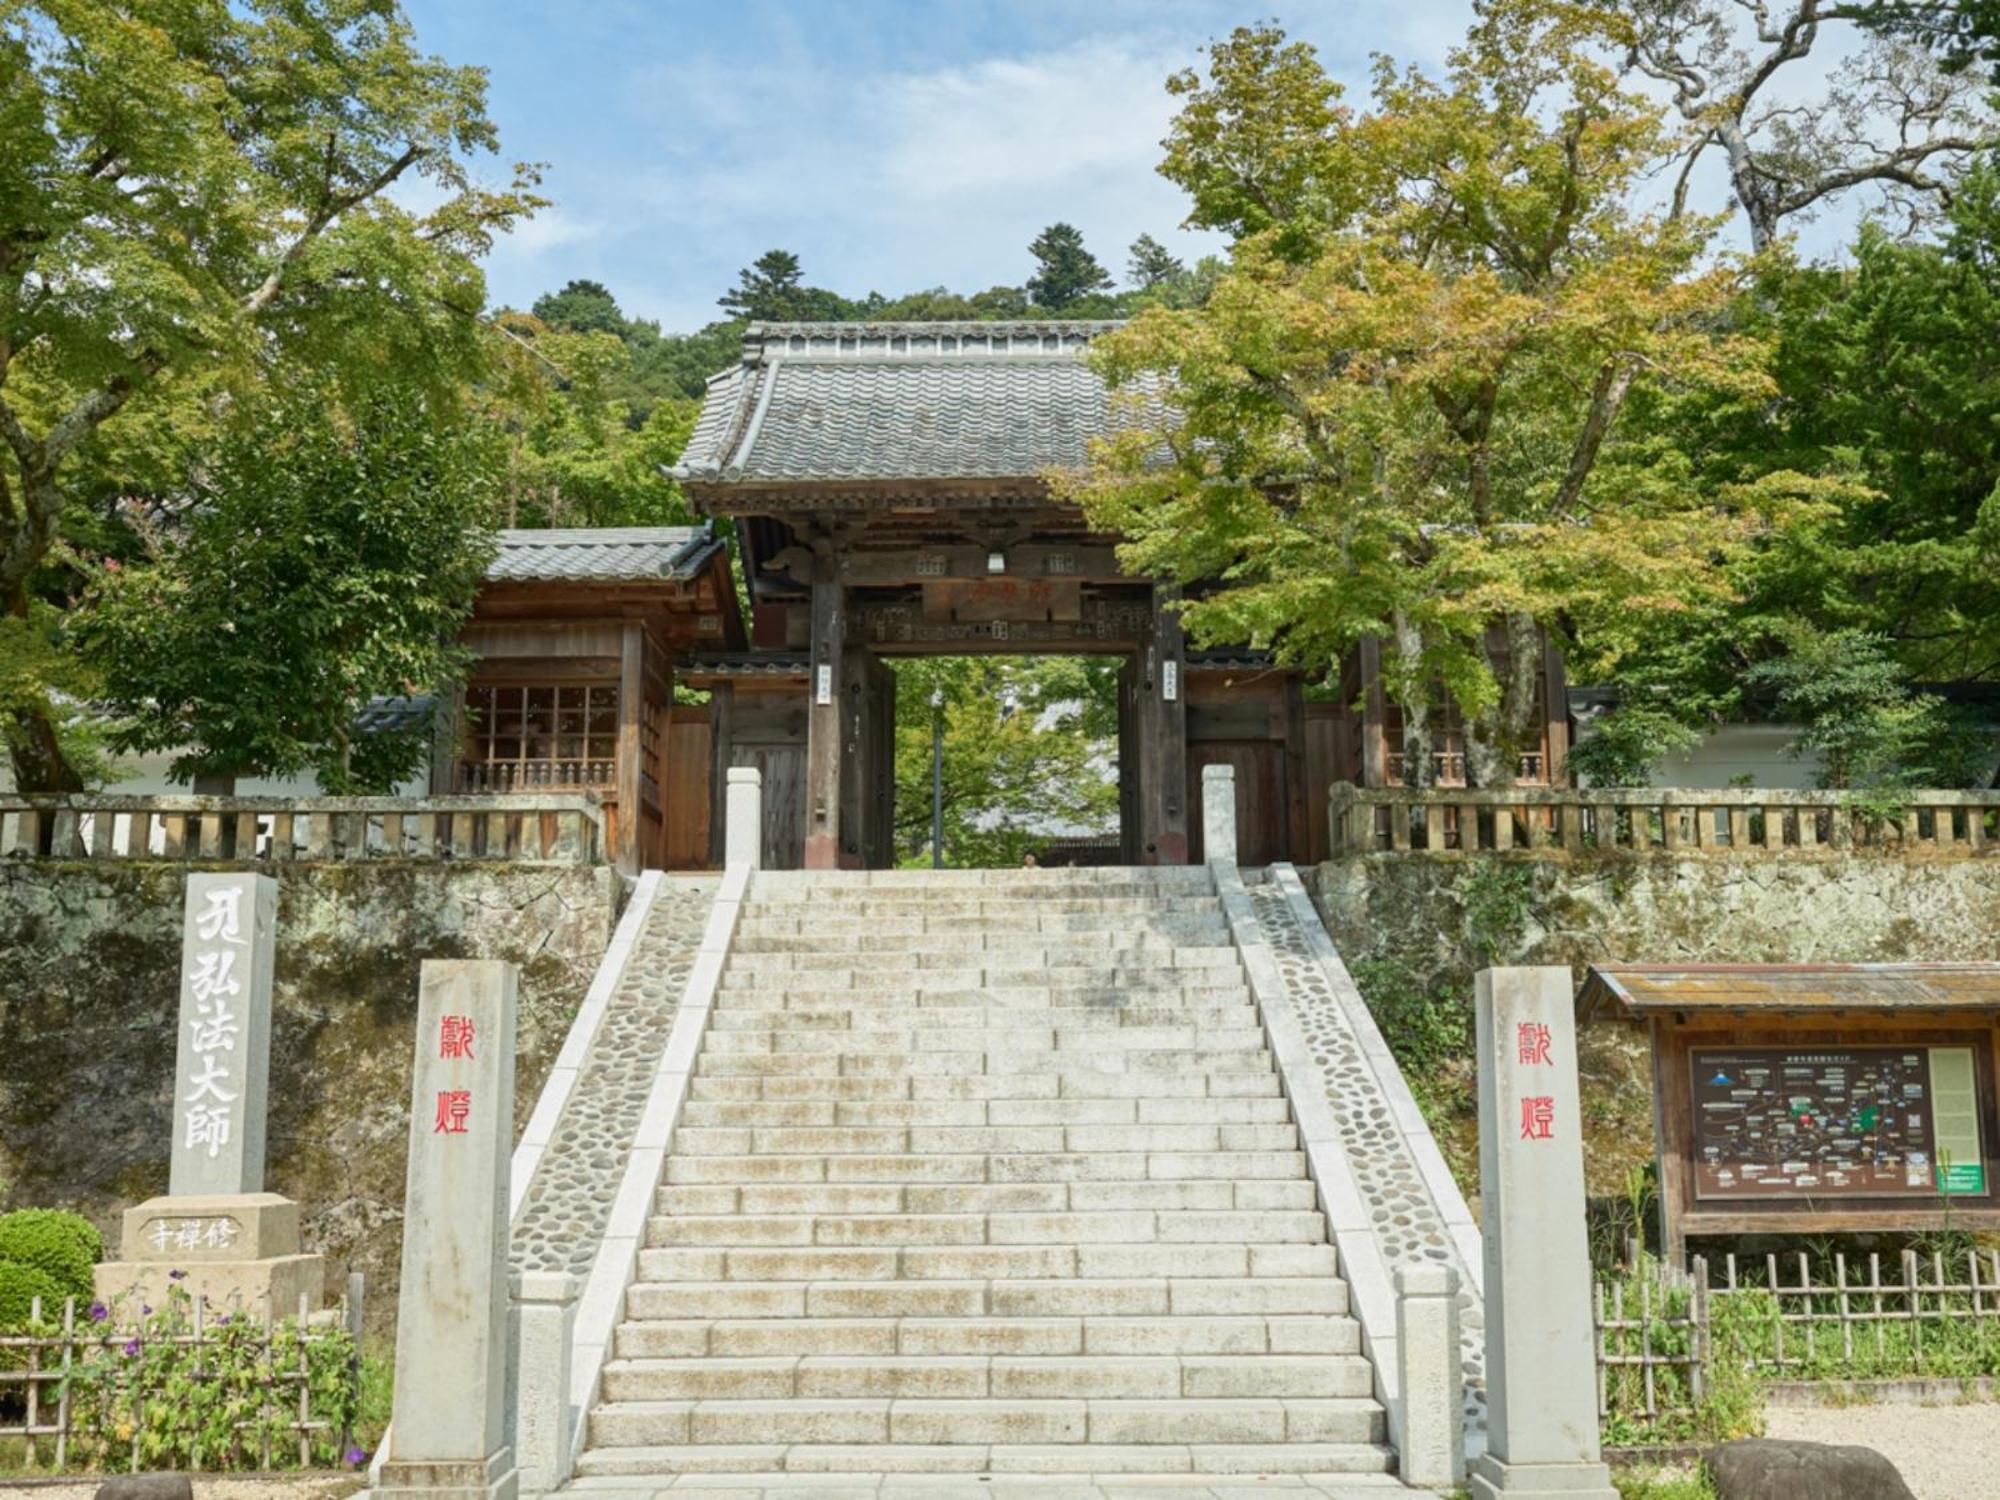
[(449, 1429), (231, 1241), (1541, 1378)]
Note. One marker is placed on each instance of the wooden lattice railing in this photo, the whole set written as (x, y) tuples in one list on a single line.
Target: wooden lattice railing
[(1673, 820), (544, 828)]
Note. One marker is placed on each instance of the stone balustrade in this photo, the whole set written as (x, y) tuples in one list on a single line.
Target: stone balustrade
[(1674, 820), (548, 828)]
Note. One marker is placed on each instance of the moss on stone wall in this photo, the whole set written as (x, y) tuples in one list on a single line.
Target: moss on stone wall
[(89, 984), (1418, 925)]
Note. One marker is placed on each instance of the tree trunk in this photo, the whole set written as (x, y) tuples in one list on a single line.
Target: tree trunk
[(29, 731), (1414, 698), (1496, 740)]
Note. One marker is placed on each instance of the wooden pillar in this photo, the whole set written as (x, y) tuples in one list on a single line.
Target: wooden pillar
[(1300, 797), (856, 763), (721, 714), (881, 765), (1130, 844), (1556, 690), (824, 739), (447, 724), (631, 711), (1161, 711), (1374, 716)]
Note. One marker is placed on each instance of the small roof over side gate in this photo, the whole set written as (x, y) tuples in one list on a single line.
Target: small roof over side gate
[(1627, 992), (608, 554)]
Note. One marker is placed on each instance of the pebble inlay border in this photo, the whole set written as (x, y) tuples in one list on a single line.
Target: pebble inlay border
[(569, 1203), (1409, 1229)]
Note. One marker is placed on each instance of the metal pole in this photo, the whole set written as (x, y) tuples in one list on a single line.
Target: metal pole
[(937, 778)]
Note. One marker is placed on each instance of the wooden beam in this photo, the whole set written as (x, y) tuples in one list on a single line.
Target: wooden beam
[(823, 724), (1026, 560), (721, 715)]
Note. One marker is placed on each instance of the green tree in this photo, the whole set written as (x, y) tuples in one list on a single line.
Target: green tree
[(582, 307), (575, 457), (1028, 751), (197, 193), (1065, 272), (773, 290), (326, 553), (1963, 33), (1399, 412), (1151, 263)]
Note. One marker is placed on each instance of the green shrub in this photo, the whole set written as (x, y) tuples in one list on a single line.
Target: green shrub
[(19, 1287), (60, 1245)]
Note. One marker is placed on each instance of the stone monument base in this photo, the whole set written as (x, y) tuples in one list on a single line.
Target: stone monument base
[(231, 1249), (417, 1479), (1492, 1479)]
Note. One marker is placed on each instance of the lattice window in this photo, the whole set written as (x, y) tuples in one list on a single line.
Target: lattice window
[(547, 735), (1448, 740)]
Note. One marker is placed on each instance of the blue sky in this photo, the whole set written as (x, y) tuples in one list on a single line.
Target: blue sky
[(892, 144)]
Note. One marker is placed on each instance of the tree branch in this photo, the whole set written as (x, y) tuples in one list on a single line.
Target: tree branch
[(330, 210), (1614, 381)]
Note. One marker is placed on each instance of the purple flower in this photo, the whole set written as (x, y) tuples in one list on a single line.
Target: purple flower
[(355, 1455), (131, 1348), (222, 1320), (177, 1275), (99, 1312), (145, 1310)]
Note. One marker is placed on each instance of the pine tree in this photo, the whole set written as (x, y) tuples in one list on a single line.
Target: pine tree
[(1151, 263), (767, 291), (1066, 271)]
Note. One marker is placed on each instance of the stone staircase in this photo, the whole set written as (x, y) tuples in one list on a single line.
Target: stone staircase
[(985, 1173)]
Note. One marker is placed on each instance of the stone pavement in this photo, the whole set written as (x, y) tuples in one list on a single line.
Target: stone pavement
[(1005, 1487)]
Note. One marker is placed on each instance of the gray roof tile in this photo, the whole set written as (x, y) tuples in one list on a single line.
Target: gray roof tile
[(610, 554), (833, 402)]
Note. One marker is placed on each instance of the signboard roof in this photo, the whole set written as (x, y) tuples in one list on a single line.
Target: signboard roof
[(1629, 991)]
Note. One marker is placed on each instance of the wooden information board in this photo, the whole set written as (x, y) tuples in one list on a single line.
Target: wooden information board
[(1825, 1122)]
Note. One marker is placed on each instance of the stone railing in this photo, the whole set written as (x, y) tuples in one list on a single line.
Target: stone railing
[(558, 828), (1549, 821)]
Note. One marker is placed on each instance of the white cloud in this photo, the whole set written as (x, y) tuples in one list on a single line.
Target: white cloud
[(900, 181)]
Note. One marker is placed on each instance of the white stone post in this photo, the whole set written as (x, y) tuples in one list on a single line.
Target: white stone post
[(1430, 1440), (217, 1235), (222, 1059), (545, 1313), (450, 1415), (1218, 814), (1542, 1438), (743, 833)]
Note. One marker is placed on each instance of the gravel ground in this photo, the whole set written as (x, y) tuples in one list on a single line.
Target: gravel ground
[(277, 1487), (1944, 1452)]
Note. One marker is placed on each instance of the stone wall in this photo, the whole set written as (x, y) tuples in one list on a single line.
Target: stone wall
[(1435, 920), (89, 955)]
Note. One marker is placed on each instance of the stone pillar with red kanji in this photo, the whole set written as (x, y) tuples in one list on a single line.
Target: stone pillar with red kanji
[(217, 1234), (1541, 1382), (449, 1429)]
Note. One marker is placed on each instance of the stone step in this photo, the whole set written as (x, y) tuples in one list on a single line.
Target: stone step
[(1254, 1195), (803, 1041), (767, 1112), (755, 1010), (854, 972), (909, 905), (1203, 919), (1007, 1297), (1028, 1166), (1129, 1226), (1154, 877), (1065, 1471), (823, 1084), (689, 1338), (1011, 1262), (1296, 1428), (953, 1140), (1144, 1377), (1185, 1065), (1133, 944), (778, 990)]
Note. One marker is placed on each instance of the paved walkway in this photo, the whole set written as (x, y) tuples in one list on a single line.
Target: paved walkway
[(1003, 1486), (1944, 1452)]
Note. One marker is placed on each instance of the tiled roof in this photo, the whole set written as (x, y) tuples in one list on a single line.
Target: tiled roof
[(604, 554), (819, 403), (1614, 990)]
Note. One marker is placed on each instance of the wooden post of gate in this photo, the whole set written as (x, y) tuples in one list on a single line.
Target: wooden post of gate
[(824, 722), (1162, 715)]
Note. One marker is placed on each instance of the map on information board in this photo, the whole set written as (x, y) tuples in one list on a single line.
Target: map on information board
[(1849, 1122)]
